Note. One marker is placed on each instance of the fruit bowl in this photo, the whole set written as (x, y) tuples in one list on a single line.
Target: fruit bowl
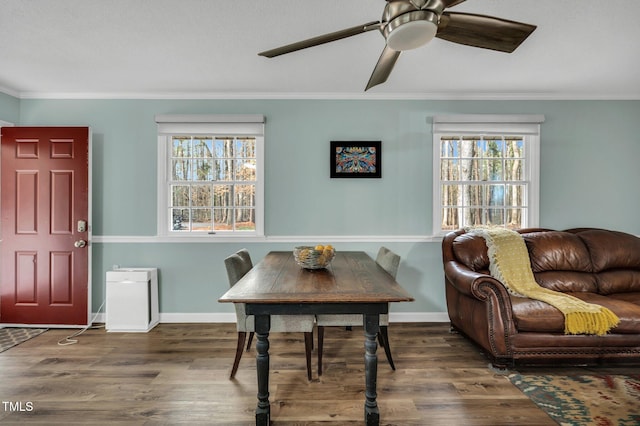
[(317, 257)]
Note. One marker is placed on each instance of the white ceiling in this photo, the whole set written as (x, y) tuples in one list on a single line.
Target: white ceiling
[(582, 49)]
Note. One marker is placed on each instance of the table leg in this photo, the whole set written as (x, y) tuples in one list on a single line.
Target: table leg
[(263, 410), (371, 328)]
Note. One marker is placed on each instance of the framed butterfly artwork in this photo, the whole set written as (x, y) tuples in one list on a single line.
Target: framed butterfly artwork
[(356, 159)]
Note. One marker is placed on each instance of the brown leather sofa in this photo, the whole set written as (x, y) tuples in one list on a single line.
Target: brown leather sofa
[(596, 265)]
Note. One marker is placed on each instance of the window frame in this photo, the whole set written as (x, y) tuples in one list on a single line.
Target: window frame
[(214, 125), (525, 126)]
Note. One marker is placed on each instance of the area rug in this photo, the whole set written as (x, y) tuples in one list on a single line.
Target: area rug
[(576, 400), (11, 336)]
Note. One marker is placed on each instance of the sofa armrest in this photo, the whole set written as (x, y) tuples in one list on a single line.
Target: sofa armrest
[(475, 284), (480, 306)]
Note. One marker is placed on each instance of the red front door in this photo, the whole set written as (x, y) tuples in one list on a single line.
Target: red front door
[(45, 207)]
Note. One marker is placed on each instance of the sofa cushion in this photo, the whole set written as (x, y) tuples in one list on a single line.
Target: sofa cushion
[(535, 316), (471, 250), (611, 249), (618, 281), (557, 251), (567, 281), (631, 297), (560, 261), (531, 315)]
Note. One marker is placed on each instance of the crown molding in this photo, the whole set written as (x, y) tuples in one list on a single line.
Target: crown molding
[(10, 92), (435, 96)]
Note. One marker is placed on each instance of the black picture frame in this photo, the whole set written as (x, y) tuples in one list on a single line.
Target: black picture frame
[(356, 159)]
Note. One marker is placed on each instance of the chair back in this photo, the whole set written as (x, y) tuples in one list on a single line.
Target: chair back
[(244, 254), (238, 264), (388, 260)]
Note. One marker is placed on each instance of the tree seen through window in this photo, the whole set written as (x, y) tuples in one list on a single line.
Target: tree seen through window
[(213, 183), (482, 181)]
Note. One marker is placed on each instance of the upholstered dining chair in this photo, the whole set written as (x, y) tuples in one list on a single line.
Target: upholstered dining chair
[(389, 261), (237, 265)]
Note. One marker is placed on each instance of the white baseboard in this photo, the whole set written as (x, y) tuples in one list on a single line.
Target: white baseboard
[(207, 317), (418, 317)]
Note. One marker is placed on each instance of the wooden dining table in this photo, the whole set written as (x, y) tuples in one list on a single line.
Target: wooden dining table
[(353, 283)]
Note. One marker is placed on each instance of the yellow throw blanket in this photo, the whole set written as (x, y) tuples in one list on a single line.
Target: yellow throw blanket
[(510, 263)]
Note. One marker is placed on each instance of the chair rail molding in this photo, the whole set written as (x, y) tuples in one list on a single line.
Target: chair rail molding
[(224, 317)]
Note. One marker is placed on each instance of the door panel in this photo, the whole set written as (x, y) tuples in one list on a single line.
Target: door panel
[(27, 202), (61, 202), (45, 192)]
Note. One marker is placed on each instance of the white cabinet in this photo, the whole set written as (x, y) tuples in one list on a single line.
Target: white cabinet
[(132, 299)]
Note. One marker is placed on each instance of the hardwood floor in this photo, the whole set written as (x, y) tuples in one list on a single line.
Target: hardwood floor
[(179, 374)]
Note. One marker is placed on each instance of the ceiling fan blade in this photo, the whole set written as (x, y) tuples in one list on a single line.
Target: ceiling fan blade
[(483, 31), (383, 68), (326, 38), (451, 3)]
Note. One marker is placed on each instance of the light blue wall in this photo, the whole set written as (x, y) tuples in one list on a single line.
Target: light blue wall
[(589, 177), (9, 108)]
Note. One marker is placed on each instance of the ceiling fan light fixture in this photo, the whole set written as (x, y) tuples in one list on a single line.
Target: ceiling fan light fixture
[(411, 30)]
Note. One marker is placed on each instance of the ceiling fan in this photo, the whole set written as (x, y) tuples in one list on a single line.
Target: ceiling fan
[(408, 24)]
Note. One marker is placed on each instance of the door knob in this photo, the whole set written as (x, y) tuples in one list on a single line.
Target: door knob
[(80, 243)]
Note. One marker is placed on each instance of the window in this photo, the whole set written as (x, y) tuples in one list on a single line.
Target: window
[(486, 171), (210, 175)]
